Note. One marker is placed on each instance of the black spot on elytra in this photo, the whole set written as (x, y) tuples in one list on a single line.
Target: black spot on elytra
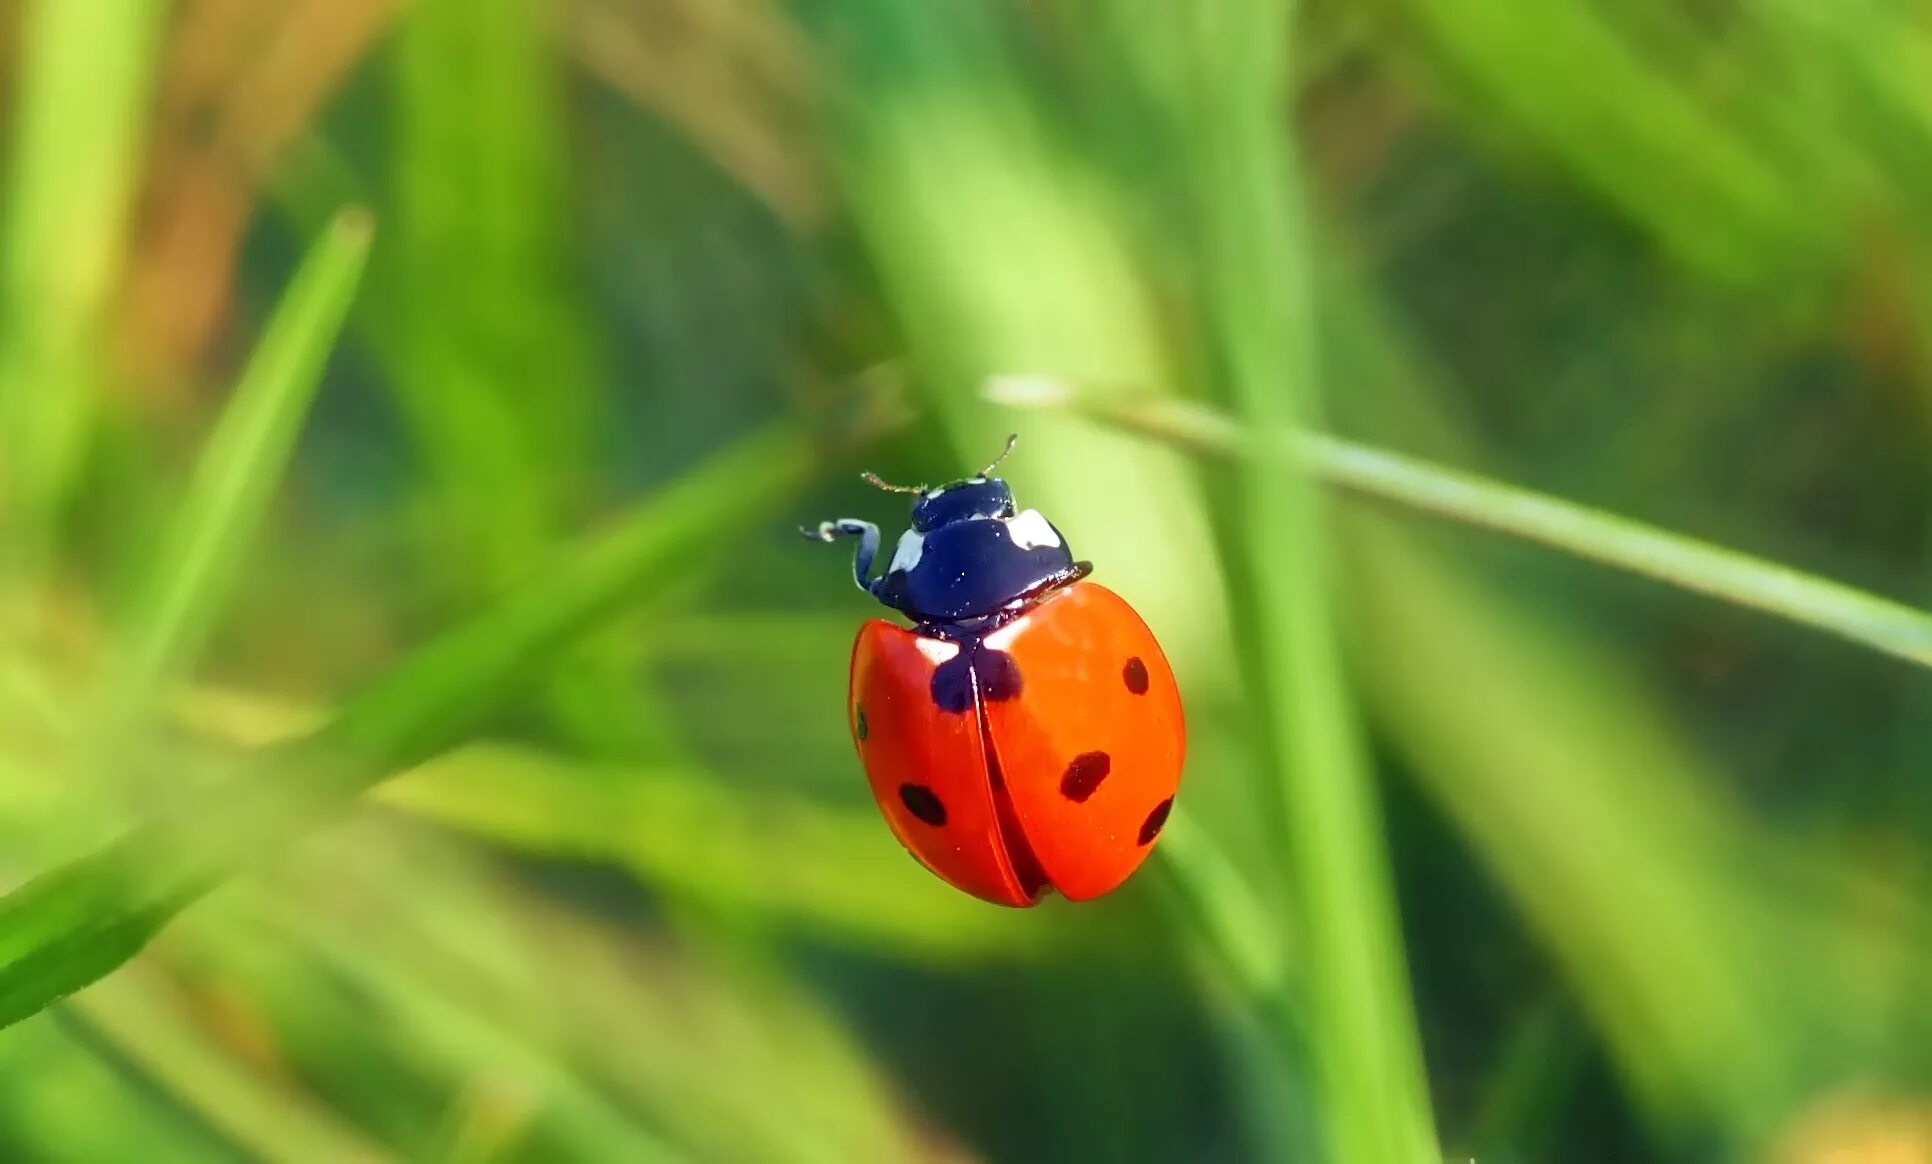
[(1134, 674), (1151, 827), (952, 685), (862, 728), (1084, 775), (923, 803), (952, 680), (999, 675)]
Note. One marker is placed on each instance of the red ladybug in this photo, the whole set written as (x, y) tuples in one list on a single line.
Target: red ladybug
[(1026, 733)]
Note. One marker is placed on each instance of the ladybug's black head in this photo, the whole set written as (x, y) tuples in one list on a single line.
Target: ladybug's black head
[(968, 500), (972, 553)]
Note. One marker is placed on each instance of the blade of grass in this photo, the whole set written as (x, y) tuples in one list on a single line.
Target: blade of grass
[(679, 828), (1372, 1089), (84, 90), (148, 1024), (66, 1096), (1689, 1021), (691, 835), (194, 570), (1718, 1024), (441, 1029), (1536, 1074), (1639, 136), (1015, 252), (488, 1121), (1612, 841), (1230, 924), (78, 922), (479, 251), (1882, 624), (489, 300), (443, 691), (711, 1053), (1035, 265)]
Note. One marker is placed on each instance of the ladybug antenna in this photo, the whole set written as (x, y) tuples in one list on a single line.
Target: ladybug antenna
[(872, 479), (1012, 440)]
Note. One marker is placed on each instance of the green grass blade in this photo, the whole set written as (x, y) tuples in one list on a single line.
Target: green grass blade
[(65, 1099), (1373, 1094), (443, 691), (696, 838), (75, 924), (344, 931), (1868, 620), (1606, 831), (84, 86), (490, 361), (1232, 926), (158, 1032), (1638, 136), (194, 570), (1691, 1020), (1711, 1024)]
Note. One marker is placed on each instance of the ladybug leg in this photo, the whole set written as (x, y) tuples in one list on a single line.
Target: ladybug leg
[(868, 535)]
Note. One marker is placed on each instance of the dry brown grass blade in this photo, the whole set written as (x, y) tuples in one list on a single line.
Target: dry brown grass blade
[(242, 82)]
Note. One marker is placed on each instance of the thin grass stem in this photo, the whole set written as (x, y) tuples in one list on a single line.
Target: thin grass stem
[(1882, 624)]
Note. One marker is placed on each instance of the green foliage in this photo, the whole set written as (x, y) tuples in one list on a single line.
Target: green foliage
[(431, 747), (62, 931)]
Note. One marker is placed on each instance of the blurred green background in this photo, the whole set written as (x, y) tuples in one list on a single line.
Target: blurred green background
[(458, 677)]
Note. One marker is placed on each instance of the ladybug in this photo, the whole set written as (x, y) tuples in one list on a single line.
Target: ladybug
[(1025, 733)]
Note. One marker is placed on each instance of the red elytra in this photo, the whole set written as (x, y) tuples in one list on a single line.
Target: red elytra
[(1064, 784), (1026, 733)]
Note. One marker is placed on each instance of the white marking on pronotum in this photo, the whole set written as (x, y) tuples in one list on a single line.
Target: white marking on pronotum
[(999, 639), (937, 650), (912, 546), (1029, 531)]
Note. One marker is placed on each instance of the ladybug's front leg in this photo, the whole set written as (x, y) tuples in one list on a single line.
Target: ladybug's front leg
[(868, 535)]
